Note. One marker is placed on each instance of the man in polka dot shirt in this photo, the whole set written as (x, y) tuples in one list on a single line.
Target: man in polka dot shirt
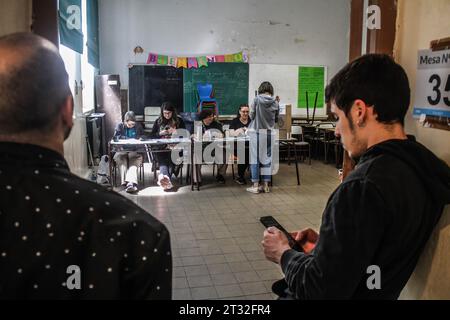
[(63, 237)]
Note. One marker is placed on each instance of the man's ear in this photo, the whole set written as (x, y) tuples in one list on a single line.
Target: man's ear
[(67, 111), (360, 110)]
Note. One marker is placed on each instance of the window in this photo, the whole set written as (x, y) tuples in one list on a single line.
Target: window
[(81, 73), (87, 71)]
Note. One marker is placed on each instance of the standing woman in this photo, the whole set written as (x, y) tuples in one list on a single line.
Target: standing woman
[(166, 125), (263, 113)]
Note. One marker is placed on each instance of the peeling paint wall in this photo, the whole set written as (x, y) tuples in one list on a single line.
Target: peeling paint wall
[(314, 32)]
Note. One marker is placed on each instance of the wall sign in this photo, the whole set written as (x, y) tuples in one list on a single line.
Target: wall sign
[(311, 80), (433, 84)]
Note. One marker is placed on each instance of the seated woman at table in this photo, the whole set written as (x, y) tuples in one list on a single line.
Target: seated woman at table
[(211, 128), (164, 127), (238, 127), (128, 160)]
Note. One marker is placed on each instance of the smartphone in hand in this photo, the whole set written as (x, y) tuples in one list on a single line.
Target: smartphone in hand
[(270, 221)]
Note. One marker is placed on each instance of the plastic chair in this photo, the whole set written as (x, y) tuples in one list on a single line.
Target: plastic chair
[(206, 98), (302, 145)]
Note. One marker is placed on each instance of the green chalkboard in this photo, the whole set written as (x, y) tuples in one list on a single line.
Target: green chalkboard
[(230, 81)]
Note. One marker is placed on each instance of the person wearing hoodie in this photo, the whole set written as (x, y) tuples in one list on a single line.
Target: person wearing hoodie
[(377, 222), (263, 114)]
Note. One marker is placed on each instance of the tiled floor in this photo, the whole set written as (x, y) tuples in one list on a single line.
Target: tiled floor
[(216, 232)]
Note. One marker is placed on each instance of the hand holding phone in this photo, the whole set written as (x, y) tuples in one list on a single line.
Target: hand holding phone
[(307, 239), (270, 221)]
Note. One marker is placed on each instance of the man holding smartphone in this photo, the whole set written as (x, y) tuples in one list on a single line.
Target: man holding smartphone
[(384, 211)]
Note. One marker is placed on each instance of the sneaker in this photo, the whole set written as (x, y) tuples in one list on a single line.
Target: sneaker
[(266, 189), (220, 179), (253, 190), (131, 188), (169, 186), (164, 182), (241, 181)]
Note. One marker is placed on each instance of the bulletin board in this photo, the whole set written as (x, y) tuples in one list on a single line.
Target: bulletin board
[(285, 80)]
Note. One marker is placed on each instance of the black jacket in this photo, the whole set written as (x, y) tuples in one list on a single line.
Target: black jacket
[(157, 127), (382, 214), (214, 125)]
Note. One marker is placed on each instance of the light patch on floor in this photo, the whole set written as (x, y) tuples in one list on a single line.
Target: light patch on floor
[(216, 234)]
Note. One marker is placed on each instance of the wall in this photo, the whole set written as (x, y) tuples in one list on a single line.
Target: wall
[(75, 148), (292, 32), (419, 22), (15, 16), (431, 277)]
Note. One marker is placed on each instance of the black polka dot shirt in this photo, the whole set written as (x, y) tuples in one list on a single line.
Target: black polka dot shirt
[(62, 237)]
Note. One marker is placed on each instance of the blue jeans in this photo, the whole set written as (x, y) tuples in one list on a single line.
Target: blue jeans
[(165, 164), (261, 156)]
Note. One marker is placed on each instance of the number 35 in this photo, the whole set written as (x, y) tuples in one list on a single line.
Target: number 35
[(437, 80)]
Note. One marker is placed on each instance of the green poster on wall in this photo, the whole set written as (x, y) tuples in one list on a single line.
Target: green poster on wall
[(311, 80), (70, 32)]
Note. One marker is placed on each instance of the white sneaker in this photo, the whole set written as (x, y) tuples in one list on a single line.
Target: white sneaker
[(169, 186), (253, 190), (131, 188), (164, 182)]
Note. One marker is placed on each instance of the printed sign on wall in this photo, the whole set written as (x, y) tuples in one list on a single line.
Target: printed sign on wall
[(433, 84)]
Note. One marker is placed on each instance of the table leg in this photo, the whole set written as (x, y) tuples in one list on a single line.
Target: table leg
[(113, 183), (296, 164), (192, 166), (289, 154)]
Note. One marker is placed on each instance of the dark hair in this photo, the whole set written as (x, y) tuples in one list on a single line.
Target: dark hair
[(33, 86), (129, 116), (240, 107), (265, 87), (378, 81), (206, 113), (168, 106)]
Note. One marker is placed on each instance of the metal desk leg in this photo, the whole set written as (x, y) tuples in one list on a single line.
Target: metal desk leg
[(289, 154), (192, 166), (113, 183), (197, 171), (147, 151), (296, 164)]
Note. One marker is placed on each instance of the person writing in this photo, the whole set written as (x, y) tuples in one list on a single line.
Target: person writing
[(128, 160), (211, 128)]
